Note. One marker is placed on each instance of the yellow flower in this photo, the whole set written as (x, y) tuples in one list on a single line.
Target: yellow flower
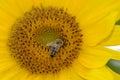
[(57, 40)]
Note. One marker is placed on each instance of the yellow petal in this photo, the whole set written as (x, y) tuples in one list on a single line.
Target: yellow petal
[(93, 57), (80, 69), (6, 19), (25, 5), (93, 11), (23, 74), (114, 38), (10, 7), (100, 74), (8, 74), (100, 30), (68, 74), (114, 54)]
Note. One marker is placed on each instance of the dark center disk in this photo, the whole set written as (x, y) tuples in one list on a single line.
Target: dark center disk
[(30, 34)]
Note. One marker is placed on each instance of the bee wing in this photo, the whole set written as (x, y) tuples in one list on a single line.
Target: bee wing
[(50, 44)]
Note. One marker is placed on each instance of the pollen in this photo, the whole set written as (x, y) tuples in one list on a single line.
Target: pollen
[(31, 34)]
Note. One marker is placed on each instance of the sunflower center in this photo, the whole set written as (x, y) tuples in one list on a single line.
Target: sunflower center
[(45, 40)]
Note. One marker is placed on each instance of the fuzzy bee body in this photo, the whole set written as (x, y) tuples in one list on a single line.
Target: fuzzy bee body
[(55, 46), (53, 52)]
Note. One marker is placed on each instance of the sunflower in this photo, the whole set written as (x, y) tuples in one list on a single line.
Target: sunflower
[(57, 40)]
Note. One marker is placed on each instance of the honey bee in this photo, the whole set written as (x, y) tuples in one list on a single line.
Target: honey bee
[(56, 45)]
